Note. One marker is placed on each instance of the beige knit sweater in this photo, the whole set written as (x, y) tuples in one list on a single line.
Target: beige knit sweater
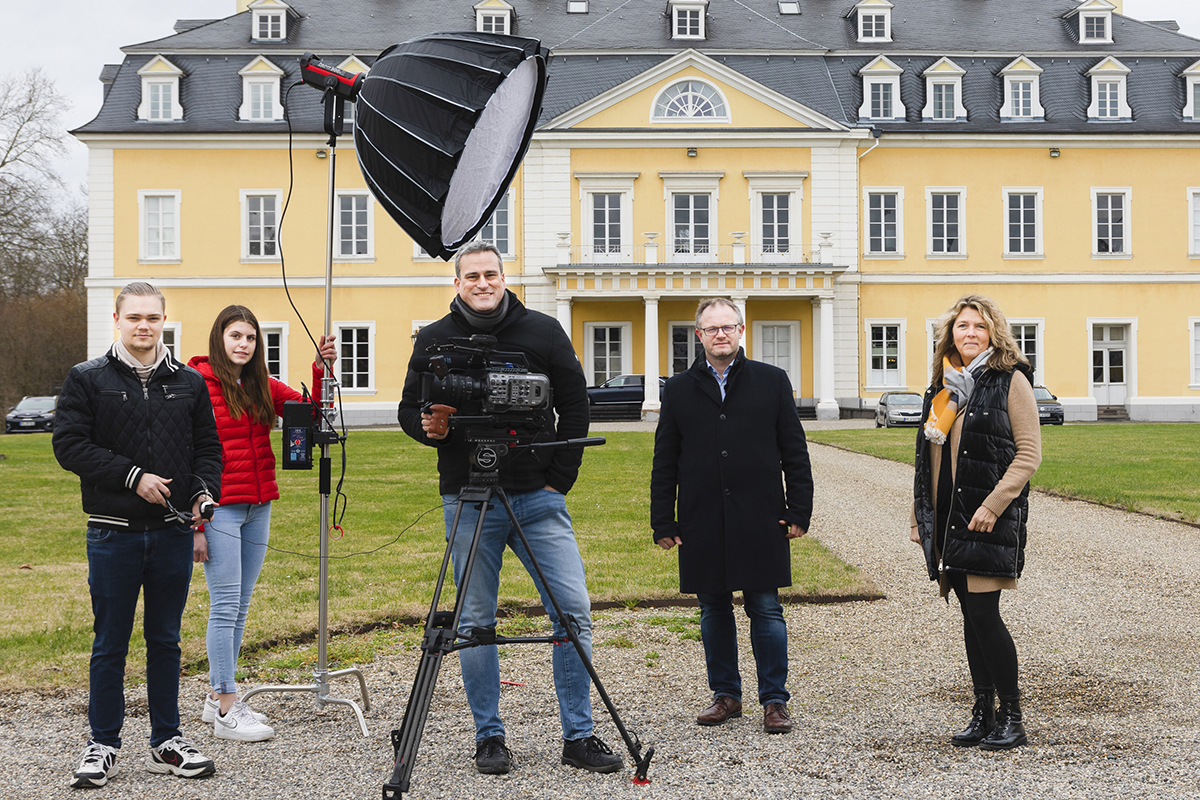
[(1027, 434)]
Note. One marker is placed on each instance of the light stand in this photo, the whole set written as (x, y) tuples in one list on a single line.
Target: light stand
[(334, 107)]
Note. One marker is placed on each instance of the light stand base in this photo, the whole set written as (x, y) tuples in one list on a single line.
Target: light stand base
[(320, 689)]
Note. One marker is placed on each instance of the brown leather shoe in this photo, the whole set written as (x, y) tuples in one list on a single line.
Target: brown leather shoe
[(776, 719), (723, 708)]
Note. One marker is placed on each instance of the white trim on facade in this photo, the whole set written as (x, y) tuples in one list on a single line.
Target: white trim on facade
[(883, 253), (961, 192), (790, 184), (901, 323), (260, 73), (1039, 222), (370, 221), (372, 357), (606, 183), (244, 212), (1022, 70), (1131, 352), (144, 256), (1109, 72), (1125, 192), (944, 72), (882, 71), (160, 73), (282, 329), (626, 356)]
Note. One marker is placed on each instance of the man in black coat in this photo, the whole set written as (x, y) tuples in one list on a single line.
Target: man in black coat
[(728, 429), (137, 427), (536, 488)]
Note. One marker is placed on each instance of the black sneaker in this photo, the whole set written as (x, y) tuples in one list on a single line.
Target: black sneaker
[(492, 756), (591, 754), (98, 764)]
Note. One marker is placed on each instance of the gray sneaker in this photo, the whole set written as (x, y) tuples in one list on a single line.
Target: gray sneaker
[(98, 764)]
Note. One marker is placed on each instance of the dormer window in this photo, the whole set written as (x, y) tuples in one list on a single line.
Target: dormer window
[(874, 20), (268, 20), (1022, 92), (577, 6), (881, 91), (1191, 106), (943, 93), (687, 19), (260, 91), (493, 16), (160, 91), (1109, 92), (789, 7), (1095, 21)]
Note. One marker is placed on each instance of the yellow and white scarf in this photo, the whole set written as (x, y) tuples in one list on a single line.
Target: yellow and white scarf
[(958, 385)]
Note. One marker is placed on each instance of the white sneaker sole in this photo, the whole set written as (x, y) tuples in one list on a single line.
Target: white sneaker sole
[(240, 734), (92, 782), (163, 768)]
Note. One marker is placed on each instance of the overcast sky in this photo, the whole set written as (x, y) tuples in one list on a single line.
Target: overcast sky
[(90, 33)]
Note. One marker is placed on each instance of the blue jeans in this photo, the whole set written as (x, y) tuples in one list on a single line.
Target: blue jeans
[(768, 641), (237, 544), (547, 526), (121, 564)]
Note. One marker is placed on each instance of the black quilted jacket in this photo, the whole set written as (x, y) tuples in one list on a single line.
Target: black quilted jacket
[(109, 430)]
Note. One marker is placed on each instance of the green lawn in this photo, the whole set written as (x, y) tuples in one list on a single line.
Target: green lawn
[(1140, 466), (382, 570)]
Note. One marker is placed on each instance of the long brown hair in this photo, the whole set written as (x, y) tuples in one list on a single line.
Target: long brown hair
[(1006, 354), (253, 394)]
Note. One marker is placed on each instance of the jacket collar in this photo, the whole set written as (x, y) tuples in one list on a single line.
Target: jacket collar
[(168, 365), (700, 373), (515, 311)]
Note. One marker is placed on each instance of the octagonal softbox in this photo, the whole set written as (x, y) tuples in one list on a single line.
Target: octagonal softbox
[(441, 125)]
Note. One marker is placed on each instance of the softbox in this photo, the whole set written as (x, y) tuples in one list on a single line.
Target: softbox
[(442, 124)]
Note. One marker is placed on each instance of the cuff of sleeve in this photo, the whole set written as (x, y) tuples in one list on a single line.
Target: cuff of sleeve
[(993, 505), (134, 476)]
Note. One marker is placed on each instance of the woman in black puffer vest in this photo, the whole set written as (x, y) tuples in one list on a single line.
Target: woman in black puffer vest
[(979, 444)]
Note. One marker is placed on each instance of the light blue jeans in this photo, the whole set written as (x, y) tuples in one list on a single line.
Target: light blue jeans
[(547, 526), (237, 544)]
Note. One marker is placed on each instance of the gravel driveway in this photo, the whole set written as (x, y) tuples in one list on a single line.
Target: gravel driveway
[(1105, 623)]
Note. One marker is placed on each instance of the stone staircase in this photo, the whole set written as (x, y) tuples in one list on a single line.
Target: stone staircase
[(1112, 414)]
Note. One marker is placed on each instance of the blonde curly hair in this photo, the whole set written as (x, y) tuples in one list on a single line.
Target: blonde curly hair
[(1006, 353)]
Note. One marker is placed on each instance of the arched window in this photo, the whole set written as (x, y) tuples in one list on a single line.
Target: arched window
[(691, 100)]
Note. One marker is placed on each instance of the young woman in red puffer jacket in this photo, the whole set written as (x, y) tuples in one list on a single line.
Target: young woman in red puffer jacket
[(246, 400)]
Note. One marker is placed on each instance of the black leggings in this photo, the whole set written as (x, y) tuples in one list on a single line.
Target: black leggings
[(991, 654)]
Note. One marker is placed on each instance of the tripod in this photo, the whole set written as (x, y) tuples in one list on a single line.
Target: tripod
[(334, 111), (442, 635)]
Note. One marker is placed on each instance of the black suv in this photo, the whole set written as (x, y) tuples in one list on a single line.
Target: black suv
[(30, 415), (1050, 411)]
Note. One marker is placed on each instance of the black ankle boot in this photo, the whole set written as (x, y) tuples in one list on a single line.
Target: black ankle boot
[(1010, 729), (983, 720)]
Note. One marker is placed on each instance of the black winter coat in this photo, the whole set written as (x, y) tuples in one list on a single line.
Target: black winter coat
[(986, 449), (549, 352), (110, 430), (720, 472)]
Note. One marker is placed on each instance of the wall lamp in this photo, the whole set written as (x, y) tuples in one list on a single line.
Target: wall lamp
[(691, 151), (1054, 152), (322, 154)]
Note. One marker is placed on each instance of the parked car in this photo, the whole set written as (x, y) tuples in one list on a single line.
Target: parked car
[(1050, 411), (620, 396), (897, 409), (30, 415)]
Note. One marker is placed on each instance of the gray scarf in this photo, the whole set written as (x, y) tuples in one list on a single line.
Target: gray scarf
[(143, 371), (962, 382), (482, 321)]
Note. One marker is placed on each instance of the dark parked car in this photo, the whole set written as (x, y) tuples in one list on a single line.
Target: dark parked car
[(30, 415), (898, 408), (620, 396), (1050, 411)]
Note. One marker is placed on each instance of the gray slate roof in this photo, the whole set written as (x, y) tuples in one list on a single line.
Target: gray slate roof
[(619, 39)]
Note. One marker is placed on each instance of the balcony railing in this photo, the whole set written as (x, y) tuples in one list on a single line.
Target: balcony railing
[(652, 252)]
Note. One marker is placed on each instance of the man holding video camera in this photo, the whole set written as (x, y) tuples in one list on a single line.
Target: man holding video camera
[(137, 427), (536, 488)]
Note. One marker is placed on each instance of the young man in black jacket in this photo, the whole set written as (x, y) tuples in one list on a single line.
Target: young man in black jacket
[(537, 490), (137, 427)]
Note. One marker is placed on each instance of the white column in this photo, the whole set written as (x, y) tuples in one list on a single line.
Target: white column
[(827, 407), (651, 403), (564, 314), (740, 302)]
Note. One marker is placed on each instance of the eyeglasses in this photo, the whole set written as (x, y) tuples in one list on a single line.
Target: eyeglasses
[(725, 329)]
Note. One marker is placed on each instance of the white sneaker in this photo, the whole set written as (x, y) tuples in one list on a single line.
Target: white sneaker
[(213, 707), (239, 724), (180, 757), (99, 763)]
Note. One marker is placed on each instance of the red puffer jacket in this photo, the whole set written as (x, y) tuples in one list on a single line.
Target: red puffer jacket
[(248, 475)]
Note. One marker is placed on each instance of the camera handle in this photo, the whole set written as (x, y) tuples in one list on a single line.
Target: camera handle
[(442, 636)]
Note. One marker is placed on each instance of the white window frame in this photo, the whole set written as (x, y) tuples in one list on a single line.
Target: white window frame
[(594, 183), (176, 329), (961, 191), (944, 72), (373, 356), (1039, 369), (719, 118), (244, 196), (791, 184), (1127, 222), (1193, 354), (1131, 351), (1193, 222), (1110, 70), (1039, 220), (282, 329), (695, 346), (699, 7), (1015, 74), (337, 239), (883, 255), (577, 6), (873, 8), (794, 362), (1106, 17), (500, 20), (158, 71), (882, 70), (261, 15), (143, 249), (626, 346), (253, 75), (901, 366), (506, 203), (692, 183), (1191, 77)]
